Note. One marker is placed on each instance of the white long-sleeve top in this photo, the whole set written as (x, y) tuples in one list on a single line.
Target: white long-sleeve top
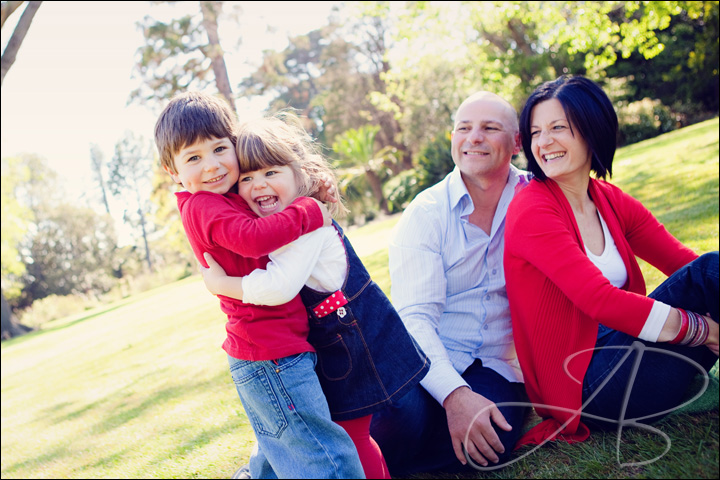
[(316, 259)]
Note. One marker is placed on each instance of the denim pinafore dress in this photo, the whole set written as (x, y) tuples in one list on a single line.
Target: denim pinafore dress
[(366, 357)]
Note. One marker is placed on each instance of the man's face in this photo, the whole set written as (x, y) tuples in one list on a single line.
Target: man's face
[(207, 166), (485, 136)]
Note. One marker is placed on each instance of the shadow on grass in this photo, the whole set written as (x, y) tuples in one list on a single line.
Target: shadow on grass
[(35, 463)]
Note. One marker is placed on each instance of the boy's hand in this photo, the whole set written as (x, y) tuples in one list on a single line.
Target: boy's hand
[(327, 191), (212, 276), (327, 218)]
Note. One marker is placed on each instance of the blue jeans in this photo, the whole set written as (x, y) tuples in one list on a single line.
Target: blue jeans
[(662, 380), (289, 414), (413, 432)]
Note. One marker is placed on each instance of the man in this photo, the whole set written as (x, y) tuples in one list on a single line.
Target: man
[(448, 284)]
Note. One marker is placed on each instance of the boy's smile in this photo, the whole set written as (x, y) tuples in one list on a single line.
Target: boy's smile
[(207, 166)]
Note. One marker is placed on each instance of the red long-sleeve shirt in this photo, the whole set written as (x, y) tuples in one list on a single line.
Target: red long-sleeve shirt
[(558, 296), (239, 240)]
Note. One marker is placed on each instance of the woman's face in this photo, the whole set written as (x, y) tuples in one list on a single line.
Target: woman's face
[(561, 154)]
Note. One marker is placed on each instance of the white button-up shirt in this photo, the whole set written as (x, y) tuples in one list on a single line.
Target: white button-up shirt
[(448, 283)]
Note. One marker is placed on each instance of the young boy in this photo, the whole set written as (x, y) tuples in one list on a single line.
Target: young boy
[(271, 361)]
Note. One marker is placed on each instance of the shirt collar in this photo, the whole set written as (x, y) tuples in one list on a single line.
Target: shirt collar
[(460, 197)]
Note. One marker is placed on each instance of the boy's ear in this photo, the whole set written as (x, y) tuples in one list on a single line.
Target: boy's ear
[(172, 174)]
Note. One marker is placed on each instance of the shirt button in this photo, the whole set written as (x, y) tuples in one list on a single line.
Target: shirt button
[(485, 327), (487, 297), (494, 272)]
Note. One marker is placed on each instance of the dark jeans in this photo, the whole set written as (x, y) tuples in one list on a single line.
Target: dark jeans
[(662, 379), (413, 433)]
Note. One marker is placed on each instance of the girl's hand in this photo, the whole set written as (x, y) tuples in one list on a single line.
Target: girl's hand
[(327, 191), (214, 275)]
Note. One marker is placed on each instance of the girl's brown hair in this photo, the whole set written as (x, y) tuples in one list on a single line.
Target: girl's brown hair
[(280, 140)]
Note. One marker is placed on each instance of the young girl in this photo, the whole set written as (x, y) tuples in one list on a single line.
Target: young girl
[(366, 358)]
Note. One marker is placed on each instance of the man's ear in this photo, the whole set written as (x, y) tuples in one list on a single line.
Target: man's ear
[(172, 174), (518, 144)]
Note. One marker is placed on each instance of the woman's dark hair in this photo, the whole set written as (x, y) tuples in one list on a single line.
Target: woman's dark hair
[(590, 113)]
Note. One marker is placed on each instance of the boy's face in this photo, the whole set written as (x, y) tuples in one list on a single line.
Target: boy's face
[(269, 190), (206, 166)]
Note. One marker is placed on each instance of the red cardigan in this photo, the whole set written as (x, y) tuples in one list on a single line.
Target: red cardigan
[(557, 295), (239, 240)]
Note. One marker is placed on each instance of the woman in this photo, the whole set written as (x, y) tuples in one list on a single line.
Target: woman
[(575, 287)]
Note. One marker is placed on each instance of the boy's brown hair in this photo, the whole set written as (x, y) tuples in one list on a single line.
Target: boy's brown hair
[(190, 117)]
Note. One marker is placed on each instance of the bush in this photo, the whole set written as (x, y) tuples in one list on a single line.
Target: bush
[(644, 119), (52, 307), (401, 189), (434, 162)]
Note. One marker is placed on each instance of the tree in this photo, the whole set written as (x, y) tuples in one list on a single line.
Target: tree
[(15, 220), (359, 160), (130, 174), (18, 35), (180, 54), (328, 76), (69, 251), (684, 75), (10, 327), (96, 163)]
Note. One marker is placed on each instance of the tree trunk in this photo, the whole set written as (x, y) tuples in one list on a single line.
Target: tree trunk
[(10, 327), (210, 12), (7, 9), (18, 35), (376, 187)]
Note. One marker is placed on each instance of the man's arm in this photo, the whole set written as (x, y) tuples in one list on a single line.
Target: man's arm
[(418, 291), (419, 287)]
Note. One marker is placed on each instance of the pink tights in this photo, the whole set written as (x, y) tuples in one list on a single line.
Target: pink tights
[(370, 455)]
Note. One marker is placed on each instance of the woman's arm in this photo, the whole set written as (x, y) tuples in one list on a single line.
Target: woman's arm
[(540, 231)]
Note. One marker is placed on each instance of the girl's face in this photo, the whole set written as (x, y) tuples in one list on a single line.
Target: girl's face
[(269, 190), (559, 153)]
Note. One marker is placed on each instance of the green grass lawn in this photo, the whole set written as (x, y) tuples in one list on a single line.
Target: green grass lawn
[(140, 388)]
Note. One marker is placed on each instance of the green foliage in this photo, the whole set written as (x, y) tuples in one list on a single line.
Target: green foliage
[(14, 225), (69, 251), (684, 75), (362, 170), (434, 162), (644, 119)]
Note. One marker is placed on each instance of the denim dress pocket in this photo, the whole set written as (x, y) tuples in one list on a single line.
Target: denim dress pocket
[(334, 359)]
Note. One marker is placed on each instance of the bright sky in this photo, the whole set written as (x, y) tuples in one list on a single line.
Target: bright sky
[(70, 83)]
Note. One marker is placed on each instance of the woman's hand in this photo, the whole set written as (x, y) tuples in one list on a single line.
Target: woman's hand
[(712, 340)]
